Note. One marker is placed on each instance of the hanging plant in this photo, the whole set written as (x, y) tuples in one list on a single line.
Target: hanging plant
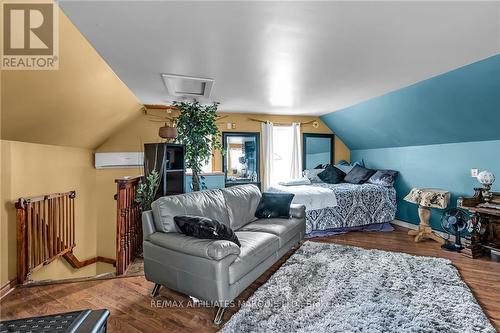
[(197, 130)]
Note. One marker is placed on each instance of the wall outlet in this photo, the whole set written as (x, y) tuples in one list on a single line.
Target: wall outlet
[(229, 125), (474, 172)]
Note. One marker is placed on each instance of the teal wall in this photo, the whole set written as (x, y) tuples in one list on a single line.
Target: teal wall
[(459, 106), (445, 166), (211, 181), (432, 132)]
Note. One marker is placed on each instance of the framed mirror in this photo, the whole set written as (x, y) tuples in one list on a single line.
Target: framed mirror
[(241, 163), (317, 149)]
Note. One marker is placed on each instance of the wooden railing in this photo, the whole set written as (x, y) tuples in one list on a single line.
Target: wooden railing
[(128, 224), (45, 230)]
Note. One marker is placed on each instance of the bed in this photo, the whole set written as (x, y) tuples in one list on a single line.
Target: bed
[(338, 208)]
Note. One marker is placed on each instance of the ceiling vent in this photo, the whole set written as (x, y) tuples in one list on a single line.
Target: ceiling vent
[(180, 85)]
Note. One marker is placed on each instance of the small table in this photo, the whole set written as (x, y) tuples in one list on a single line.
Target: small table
[(427, 198), (85, 321)]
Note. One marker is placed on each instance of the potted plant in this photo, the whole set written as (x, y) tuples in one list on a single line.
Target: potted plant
[(197, 130), (146, 190)]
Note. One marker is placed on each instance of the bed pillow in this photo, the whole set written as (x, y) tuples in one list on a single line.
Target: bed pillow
[(345, 168), (332, 175), (383, 177), (359, 175), (312, 174), (205, 228), (274, 205), (295, 182)]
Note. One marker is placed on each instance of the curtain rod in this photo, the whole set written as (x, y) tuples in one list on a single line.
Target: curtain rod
[(281, 123)]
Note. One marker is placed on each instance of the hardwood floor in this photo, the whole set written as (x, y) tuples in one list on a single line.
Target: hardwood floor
[(133, 311)]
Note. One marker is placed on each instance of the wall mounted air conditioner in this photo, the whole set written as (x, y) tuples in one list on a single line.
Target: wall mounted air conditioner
[(118, 160)]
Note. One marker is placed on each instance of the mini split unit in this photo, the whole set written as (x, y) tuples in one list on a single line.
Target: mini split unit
[(180, 85)]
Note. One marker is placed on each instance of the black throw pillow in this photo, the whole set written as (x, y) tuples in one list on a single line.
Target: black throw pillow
[(358, 175), (205, 228), (274, 205), (331, 175)]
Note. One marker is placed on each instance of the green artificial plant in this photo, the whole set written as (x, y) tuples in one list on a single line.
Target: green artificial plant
[(197, 130), (146, 190)]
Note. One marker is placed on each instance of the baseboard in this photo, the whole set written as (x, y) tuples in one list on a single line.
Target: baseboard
[(412, 226), (8, 287)]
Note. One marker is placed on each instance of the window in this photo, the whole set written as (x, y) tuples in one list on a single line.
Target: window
[(282, 151)]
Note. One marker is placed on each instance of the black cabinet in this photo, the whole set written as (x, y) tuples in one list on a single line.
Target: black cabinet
[(168, 160)]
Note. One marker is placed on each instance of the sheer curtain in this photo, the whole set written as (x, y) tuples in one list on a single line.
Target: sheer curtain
[(296, 165), (267, 143)]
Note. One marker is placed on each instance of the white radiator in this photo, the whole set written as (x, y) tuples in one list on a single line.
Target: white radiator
[(118, 160)]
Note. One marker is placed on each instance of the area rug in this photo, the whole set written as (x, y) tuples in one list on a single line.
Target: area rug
[(334, 288)]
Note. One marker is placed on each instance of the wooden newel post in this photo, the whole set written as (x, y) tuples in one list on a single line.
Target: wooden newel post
[(128, 223), (21, 240)]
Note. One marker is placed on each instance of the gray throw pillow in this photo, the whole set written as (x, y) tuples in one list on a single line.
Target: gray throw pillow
[(383, 177), (358, 175)]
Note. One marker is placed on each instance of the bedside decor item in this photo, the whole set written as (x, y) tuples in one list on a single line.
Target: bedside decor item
[(273, 205), (484, 238), (197, 130), (427, 198), (454, 221), (486, 178)]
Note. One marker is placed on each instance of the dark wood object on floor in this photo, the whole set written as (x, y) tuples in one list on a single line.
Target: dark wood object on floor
[(128, 223), (132, 309), (485, 236), (84, 321), (45, 230), (168, 160)]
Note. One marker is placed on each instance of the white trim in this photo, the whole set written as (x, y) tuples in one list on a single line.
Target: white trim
[(412, 226)]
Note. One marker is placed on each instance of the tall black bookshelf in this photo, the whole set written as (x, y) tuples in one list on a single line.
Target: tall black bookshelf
[(168, 159)]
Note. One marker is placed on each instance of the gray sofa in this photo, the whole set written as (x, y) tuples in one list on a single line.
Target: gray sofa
[(215, 270)]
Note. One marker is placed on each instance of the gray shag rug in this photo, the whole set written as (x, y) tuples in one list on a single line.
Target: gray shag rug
[(334, 288)]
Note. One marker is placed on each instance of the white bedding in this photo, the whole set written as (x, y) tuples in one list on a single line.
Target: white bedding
[(313, 197)]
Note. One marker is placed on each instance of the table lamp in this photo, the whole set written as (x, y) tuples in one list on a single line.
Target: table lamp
[(427, 198)]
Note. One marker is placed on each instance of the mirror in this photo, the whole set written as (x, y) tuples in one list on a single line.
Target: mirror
[(241, 162), (318, 149)]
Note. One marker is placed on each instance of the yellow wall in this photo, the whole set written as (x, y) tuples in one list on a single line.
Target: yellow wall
[(79, 105), (30, 169), (133, 135)]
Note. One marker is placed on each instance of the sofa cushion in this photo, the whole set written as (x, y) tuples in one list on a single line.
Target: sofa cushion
[(241, 202), (209, 204), (285, 229), (255, 248), (205, 228), (204, 248)]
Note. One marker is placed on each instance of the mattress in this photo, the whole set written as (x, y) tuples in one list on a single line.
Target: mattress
[(357, 205), (334, 206)]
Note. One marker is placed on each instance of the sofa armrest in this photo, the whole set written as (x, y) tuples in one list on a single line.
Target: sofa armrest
[(297, 211), (148, 224), (204, 248)]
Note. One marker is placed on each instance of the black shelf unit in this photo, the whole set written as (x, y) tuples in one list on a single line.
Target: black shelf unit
[(168, 159)]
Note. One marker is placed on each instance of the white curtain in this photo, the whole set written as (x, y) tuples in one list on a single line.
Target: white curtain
[(267, 144), (296, 165)]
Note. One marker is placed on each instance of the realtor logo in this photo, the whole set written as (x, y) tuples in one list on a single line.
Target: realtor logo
[(30, 36)]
